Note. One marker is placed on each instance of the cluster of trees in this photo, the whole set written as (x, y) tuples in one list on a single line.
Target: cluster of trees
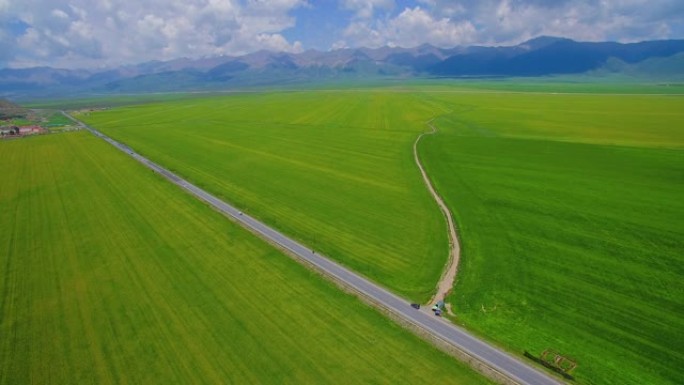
[(9, 110)]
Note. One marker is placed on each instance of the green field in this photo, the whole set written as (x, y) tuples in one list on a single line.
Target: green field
[(572, 222), (569, 206), (56, 119), (333, 169), (111, 275)]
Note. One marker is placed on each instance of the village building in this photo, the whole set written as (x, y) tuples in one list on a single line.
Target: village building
[(28, 130), (20, 131)]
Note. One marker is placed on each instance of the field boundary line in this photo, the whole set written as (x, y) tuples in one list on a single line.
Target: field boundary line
[(448, 276), (488, 360)]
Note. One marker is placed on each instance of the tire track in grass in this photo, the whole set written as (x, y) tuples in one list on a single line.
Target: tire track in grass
[(446, 281)]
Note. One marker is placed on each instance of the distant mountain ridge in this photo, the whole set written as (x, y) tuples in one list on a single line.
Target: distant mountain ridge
[(548, 56), (541, 56)]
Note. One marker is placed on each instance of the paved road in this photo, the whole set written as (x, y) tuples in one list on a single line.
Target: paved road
[(493, 357)]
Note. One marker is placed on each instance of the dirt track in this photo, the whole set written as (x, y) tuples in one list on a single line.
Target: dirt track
[(446, 281)]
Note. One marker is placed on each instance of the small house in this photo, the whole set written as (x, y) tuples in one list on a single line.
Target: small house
[(27, 130)]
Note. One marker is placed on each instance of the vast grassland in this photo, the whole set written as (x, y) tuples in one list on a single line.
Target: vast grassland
[(334, 169), (570, 206), (111, 275), (572, 222)]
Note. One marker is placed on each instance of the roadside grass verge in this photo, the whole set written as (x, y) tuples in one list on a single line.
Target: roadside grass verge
[(112, 275)]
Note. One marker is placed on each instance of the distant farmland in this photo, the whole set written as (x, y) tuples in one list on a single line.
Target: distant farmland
[(111, 275), (569, 206)]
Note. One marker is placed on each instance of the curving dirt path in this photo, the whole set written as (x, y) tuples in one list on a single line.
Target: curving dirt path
[(446, 281)]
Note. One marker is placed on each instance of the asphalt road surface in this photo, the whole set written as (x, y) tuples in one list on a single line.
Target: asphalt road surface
[(502, 362)]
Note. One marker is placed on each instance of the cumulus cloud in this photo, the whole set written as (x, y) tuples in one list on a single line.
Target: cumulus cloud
[(365, 9), (415, 26), (411, 27), (83, 33), (110, 32), (512, 21), (449, 23)]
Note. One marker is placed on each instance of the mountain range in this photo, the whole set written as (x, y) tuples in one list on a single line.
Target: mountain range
[(542, 56)]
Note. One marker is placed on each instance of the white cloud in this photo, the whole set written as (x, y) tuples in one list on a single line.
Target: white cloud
[(365, 9), (446, 8), (448, 23), (276, 42), (78, 33), (416, 26), (362, 34), (512, 21), (410, 28), (111, 32)]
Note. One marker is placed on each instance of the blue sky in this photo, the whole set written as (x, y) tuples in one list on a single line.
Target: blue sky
[(102, 33)]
